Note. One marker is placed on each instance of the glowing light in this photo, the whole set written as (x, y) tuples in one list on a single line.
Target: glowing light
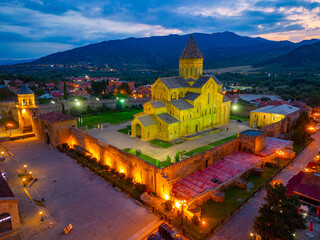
[(97, 99), (166, 197), (203, 222), (121, 170), (251, 234), (23, 110), (76, 100), (2, 153), (30, 173), (78, 103), (4, 219), (53, 102), (122, 100), (234, 107), (25, 166), (23, 179), (40, 213)]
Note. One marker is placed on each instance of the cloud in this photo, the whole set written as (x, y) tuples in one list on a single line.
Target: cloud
[(73, 25)]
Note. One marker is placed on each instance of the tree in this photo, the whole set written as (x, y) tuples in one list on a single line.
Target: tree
[(65, 92), (278, 218), (63, 109), (89, 109), (119, 105), (75, 112), (124, 89)]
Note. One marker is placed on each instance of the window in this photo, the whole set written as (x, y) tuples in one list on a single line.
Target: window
[(264, 116), (208, 98)]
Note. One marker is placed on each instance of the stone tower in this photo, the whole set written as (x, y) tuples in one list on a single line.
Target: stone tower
[(191, 60), (26, 108)]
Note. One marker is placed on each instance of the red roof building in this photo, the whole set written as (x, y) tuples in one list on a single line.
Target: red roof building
[(273, 103)]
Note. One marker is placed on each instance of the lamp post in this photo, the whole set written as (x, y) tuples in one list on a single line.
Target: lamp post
[(183, 203), (41, 213), (10, 125), (25, 168)]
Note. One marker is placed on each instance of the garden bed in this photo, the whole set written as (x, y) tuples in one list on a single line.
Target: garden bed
[(160, 143), (117, 179)]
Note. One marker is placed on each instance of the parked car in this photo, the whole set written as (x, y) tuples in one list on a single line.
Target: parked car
[(168, 232), (154, 237)]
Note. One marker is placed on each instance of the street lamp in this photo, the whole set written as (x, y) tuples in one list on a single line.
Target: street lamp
[(41, 219), (25, 168), (183, 204), (10, 125)]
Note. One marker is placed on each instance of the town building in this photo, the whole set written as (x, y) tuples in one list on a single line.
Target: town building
[(26, 108), (183, 105), (262, 117)]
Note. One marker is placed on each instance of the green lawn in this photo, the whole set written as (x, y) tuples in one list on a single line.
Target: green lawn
[(113, 118), (215, 212), (125, 130), (234, 117), (146, 158), (198, 150), (160, 143), (224, 140)]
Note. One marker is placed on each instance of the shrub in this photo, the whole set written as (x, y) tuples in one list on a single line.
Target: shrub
[(177, 156), (196, 220), (113, 171), (129, 180), (122, 175), (140, 187), (116, 173), (168, 205), (106, 167), (94, 160), (65, 146)]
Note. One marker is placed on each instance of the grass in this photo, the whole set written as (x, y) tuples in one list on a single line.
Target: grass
[(224, 140), (160, 143), (125, 130), (244, 119), (113, 118), (146, 158), (198, 150), (214, 212), (298, 148), (25, 178)]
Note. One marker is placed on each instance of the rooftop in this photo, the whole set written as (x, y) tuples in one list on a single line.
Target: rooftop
[(167, 118), (25, 90), (147, 120), (252, 133), (191, 50), (282, 109), (56, 117), (181, 104), (5, 190), (158, 104)]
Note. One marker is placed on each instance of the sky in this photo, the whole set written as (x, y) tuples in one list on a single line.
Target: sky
[(33, 28)]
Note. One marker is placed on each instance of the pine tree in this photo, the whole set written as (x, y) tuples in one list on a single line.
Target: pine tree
[(63, 109), (278, 217), (65, 92)]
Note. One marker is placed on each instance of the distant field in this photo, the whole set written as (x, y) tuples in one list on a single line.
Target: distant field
[(238, 69), (113, 118)]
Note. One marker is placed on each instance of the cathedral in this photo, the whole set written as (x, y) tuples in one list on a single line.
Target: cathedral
[(183, 105)]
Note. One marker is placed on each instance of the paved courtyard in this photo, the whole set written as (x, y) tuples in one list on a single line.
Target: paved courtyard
[(240, 225), (73, 195), (111, 136)]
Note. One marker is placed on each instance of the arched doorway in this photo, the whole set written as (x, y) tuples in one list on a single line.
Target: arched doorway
[(47, 138), (5, 222), (138, 130)]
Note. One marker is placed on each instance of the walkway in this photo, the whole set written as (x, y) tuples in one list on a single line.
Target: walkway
[(111, 136), (240, 225), (73, 195)]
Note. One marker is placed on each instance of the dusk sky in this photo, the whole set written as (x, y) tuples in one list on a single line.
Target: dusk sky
[(34, 28)]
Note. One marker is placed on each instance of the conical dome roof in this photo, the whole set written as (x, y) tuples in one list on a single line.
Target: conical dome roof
[(191, 50), (25, 90)]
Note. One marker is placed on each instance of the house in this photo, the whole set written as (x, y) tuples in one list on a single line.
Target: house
[(264, 116)]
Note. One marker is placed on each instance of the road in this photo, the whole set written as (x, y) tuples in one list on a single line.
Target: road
[(240, 225)]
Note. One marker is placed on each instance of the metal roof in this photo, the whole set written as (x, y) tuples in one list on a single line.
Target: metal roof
[(191, 96), (174, 82), (191, 50), (147, 120), (167, 118), (25, 90), (158, 104), (181, 104), (282, 109)]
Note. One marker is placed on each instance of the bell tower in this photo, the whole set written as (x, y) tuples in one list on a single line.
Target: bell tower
[(191, 60), (27, 108)]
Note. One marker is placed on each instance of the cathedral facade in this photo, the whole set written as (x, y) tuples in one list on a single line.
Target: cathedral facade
[(183, 105)]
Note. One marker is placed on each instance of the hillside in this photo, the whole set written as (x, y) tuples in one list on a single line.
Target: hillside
[(219, 50), (302, 59)]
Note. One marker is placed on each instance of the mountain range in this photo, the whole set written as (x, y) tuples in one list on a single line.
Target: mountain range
[(219, 50)]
